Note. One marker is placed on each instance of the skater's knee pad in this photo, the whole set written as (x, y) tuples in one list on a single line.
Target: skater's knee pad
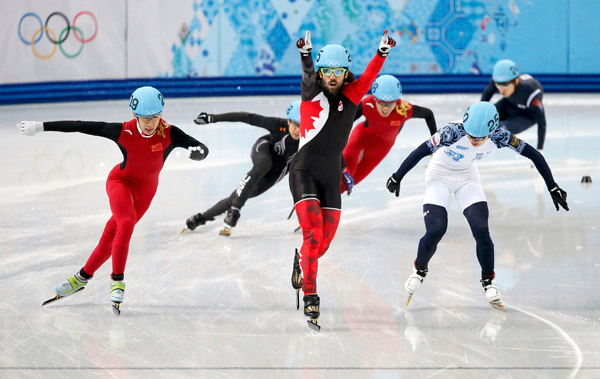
[(436, 221)]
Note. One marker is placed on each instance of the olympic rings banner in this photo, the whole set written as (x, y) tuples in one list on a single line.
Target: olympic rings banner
[(63, 40)]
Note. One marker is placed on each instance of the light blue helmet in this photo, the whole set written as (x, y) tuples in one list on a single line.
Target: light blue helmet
[(293, 111), (146, 101), (386, 88), (481, 119), (333, 56), (505, 71)]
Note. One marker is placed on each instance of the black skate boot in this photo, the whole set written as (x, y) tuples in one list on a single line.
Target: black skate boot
[(297, 278), (311, 310), (233, 215), (195, 221)]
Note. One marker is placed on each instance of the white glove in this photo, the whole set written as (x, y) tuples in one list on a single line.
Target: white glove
[(304, 44), (30, 128), (196, 153), (386, 44)]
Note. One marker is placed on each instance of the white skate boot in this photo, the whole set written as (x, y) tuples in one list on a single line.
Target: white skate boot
[(117, 292), (491, 293), (414, 282), (71, 285)]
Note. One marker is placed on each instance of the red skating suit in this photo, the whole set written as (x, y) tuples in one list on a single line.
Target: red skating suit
[(371, 140), (131, 185)]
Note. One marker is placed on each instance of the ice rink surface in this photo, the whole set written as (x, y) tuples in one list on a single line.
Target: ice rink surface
[(201, 305)]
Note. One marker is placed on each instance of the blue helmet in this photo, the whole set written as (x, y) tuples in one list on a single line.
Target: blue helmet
[(481, 119), (293, 111), (333, 56), (386, 88), (505, 71), (146, 101)]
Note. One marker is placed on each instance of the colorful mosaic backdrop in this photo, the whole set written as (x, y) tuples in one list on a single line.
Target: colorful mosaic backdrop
[(434, 36)]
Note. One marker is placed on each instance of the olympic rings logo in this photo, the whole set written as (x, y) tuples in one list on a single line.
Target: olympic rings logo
[(62, 36)]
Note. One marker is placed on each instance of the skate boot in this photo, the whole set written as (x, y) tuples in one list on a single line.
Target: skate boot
[(195, 221), (414, 282), (117, 291), (311, 310), (71, 285), (492, 294), (233, 215), (297, 278)]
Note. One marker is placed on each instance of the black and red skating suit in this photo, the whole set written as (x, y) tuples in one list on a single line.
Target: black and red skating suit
[(523, 108), (315, 171), (372, 139), (131, 185)]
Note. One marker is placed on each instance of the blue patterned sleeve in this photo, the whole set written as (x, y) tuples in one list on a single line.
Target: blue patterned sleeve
[(503, 138), (446, 136)]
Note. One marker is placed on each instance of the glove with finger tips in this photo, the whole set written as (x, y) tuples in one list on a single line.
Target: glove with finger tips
[(204, 118), (386, 44), (393, 185), (29, 128), (559, 197), (304, 45), (196, 153)]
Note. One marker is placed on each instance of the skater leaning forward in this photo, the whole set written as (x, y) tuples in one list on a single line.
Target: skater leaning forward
[(330, 97), (145, 142), (271, 155), (456, 148)]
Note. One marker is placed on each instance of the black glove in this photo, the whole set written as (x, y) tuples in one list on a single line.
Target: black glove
[(204, 118), (559, 197), (386, 44), (196, 153), (393, 185)]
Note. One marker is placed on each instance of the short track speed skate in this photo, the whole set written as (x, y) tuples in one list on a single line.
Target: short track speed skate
[(117, 292), (311, 310), (413, 282), (297, 278), (70, 286), (58, 297), (492, 294)]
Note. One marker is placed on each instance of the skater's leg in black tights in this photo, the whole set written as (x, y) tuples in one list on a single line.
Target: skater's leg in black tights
[(477, 216), (436, 223)]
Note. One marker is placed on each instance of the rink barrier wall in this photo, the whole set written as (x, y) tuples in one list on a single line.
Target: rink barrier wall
[(47, 92)]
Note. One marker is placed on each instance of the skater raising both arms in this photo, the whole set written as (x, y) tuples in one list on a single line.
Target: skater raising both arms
[(521, 104), (372, 139), (145, 142), (453, 170), (270, 156), (330, 97)]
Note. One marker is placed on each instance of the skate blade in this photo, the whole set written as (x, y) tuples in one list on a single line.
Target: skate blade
[(297, 299), (498, 305), (57, 297), (298, 228), (116, 307), (408, 301), (312, 323), (183, 230), (225, 232)]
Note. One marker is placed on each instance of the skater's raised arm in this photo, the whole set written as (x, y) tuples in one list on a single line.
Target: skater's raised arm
[(196, 149), (110, 130)]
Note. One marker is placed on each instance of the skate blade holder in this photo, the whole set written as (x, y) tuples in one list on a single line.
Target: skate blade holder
[(410, 295), (225, 232), (57, 296), (312, 323), (498, 305), (116, 308)]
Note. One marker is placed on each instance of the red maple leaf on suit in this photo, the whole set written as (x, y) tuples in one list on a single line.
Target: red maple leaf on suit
[(310, 112)]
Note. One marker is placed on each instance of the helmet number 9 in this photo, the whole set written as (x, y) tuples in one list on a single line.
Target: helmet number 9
[(161, 98), (133, 102)]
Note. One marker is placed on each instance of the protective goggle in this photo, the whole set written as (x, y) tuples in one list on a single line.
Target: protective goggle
[(476, 138), (385, 104), (503, 84), (149, 118), (327, 71)]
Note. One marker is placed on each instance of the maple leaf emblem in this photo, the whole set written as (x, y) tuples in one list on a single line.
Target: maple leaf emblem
[(310, 113)]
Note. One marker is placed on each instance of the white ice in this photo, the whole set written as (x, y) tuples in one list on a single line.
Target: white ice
[(203, 305)]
